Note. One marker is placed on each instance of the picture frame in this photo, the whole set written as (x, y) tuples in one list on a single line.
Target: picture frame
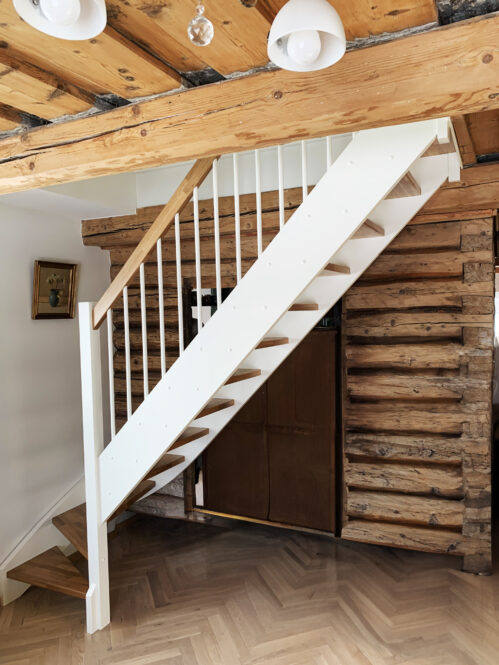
[(54, 290)]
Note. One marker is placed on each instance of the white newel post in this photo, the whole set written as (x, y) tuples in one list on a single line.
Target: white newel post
[(98, 613)]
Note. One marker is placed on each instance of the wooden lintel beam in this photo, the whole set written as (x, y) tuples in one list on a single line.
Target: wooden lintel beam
[(450, 71)]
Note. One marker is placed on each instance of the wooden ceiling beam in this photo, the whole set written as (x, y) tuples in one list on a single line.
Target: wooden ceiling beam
[(35, 91), (240, 41), (152, 33), (450, 71), (107, 63), (364, 18), (10, 118)]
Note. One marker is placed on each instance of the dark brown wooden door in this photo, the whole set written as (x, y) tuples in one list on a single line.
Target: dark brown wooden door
[(275, 460), (235, 464), (300, 435)]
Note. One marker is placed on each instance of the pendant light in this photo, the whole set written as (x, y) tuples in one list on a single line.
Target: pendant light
[(64, 19), (306, 35)]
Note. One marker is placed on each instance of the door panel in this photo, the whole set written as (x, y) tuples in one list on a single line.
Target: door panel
[(301, 419), (235, 465), (275, 460)]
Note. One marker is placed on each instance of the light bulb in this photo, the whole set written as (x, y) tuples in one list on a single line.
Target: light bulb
[(61, 12), (304, 46)]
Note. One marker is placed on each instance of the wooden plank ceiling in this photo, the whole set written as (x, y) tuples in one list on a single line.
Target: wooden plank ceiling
[(145, 51)]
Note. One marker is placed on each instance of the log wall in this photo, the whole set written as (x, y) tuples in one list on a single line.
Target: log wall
[(418, 340), (417, 336)]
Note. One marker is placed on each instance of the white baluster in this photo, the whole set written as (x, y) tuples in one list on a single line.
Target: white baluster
[(197, 248), (237, 213), (126, 322), (180, 303), (216, 219), (110, 358), (258, 190), (143, 317), (329, 151), (161, 304), (304, 170), (280, 176)]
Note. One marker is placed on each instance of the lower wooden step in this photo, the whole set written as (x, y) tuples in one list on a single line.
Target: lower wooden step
[(337, 268), (272, 341), (51, 570), (165, 463), (304, 307), (142, 488), (190, 434), (214, 405), (369, 229), (243, 374), (73, 525), (406, 187)]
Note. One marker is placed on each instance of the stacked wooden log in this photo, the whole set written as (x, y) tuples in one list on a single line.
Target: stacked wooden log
[(418, 332)]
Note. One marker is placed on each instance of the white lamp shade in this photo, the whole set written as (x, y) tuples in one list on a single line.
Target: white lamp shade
[(299, 15), (91, 22)]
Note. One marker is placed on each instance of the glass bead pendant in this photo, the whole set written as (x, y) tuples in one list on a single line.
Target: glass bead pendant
[(200, 29)]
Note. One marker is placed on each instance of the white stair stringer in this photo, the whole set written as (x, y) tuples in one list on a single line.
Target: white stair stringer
[(290, 270)]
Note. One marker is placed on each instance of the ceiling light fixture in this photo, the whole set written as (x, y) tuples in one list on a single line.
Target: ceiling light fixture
[(64, 19), (306, 35)]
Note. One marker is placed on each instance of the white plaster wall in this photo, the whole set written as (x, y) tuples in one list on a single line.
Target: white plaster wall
[(40, 399), (156, 186)]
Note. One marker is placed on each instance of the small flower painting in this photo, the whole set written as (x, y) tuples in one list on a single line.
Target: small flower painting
[(54, 290)]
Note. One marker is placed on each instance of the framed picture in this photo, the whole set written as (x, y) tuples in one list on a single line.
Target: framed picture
[(54, 290)]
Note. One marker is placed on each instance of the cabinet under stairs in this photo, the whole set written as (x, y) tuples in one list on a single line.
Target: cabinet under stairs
[(364, 199)]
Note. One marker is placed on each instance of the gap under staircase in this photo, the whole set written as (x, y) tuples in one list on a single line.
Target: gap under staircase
[(365, 198)]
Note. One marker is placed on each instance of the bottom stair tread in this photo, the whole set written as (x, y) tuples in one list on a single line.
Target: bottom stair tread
[(73, 525), (51, 570)]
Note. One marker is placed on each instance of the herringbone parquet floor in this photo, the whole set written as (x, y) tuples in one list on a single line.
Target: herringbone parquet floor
[(190, 594)]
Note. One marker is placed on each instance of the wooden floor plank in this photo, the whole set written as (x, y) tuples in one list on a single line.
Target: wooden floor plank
[(227, 593)]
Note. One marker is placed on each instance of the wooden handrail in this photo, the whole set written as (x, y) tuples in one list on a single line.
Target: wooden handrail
[(158, 228)]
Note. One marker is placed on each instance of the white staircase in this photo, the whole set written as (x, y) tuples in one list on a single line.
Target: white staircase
[(363, 201), (328, 228)]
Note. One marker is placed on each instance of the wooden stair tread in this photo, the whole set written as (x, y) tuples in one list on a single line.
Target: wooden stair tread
[(437, 148), (190, 434), (336, 267), (272, 341), (406, 187), (304, 307), (73, 525), (369, 230), (214, 405), (142, 488), (166, 462), (243, 374), (51, 570)]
